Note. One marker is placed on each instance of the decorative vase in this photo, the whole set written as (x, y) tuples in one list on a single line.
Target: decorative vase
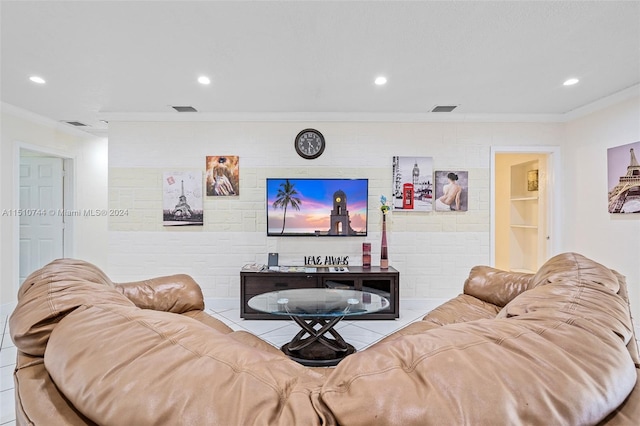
[(384, 254)]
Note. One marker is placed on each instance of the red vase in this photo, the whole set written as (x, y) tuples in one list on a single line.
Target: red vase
[(366, 255), (384, 254)]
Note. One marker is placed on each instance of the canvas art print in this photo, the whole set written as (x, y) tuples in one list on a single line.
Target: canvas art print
[(624, 178), (451, 191), (223, 175), (182, 198), (413, 184)]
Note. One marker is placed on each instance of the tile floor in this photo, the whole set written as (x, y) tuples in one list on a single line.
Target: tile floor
[(359, 333)]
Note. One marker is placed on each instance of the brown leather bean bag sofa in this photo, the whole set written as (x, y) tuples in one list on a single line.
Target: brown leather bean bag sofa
[(554, 348)]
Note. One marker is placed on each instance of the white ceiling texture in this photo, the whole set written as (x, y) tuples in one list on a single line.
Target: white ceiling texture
[(104, 59)]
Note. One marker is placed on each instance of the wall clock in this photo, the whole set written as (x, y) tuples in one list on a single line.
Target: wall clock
[(309, 144)]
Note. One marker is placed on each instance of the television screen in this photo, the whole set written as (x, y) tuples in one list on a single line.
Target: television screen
[(317, 207)]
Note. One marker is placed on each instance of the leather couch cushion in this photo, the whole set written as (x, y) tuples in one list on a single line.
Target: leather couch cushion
[(481, 373), (628, 413), (462, 308), (65, 285), (208, 320), (174, 293), (572, 266), (38, 401), (589, 298), (175, 370), (496, 286), (632, 346), (532, 365)]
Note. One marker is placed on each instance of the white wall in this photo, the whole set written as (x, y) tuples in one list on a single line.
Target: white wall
[(89, 154), (613, 240), (433, 251)]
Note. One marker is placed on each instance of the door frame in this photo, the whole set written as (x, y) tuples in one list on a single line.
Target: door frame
[(68, 197), (554, 194)]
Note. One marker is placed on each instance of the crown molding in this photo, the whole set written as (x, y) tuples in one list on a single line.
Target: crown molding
[(48, 122), (328, 117), (607, 101), (428, 117), (347, 117)]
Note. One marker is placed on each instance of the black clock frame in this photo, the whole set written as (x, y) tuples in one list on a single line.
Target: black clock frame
[(302, 154)]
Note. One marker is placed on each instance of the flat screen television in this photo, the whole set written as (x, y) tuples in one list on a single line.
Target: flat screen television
[(317, 207)]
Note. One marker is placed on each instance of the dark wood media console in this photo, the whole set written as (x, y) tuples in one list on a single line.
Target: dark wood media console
[(385, 282)]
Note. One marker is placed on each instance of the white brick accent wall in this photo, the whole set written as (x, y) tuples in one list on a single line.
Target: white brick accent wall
[(432, 250)]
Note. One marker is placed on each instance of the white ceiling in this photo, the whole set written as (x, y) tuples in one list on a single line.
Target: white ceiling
[(105, 57)]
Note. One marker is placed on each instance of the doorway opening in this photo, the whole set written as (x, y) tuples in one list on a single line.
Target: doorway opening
[(45, 198), (524, 200)]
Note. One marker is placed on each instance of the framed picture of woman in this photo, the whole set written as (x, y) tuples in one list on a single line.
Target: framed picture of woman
[(451, 192)]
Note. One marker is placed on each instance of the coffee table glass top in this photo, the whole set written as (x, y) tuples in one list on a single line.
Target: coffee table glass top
[(318, 302)]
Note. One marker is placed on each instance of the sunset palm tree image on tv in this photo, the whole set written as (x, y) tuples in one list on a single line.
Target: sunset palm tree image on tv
[(317, 207)]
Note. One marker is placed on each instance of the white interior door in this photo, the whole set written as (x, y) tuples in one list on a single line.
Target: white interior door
[(41, 220)]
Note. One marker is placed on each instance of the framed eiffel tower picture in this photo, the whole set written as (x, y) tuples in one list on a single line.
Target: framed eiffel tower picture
[(182, 198), (624, 178)]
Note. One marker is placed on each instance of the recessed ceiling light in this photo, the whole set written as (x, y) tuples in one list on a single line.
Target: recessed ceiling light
[(380, 81), (571, 82), (203, 79), (37, 79)]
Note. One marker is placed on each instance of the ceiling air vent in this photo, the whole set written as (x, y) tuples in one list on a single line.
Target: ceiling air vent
[(76, 123), (184, 108), (444, 108)]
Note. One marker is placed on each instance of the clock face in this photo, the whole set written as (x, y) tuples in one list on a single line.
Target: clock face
[(309, 143)]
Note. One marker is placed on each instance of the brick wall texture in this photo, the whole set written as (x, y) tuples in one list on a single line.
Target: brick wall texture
[(432, 250)]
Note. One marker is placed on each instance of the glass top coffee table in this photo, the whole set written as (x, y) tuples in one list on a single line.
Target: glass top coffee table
[(317, 311)]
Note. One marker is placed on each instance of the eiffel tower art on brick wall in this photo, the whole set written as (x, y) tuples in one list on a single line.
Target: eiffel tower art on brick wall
[(624, 197)]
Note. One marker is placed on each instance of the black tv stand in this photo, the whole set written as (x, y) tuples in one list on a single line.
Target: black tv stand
[(385, 282)]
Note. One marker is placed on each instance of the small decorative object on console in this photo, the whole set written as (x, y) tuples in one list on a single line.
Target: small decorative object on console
[(384, 255), (254, 267), (366, 255)]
